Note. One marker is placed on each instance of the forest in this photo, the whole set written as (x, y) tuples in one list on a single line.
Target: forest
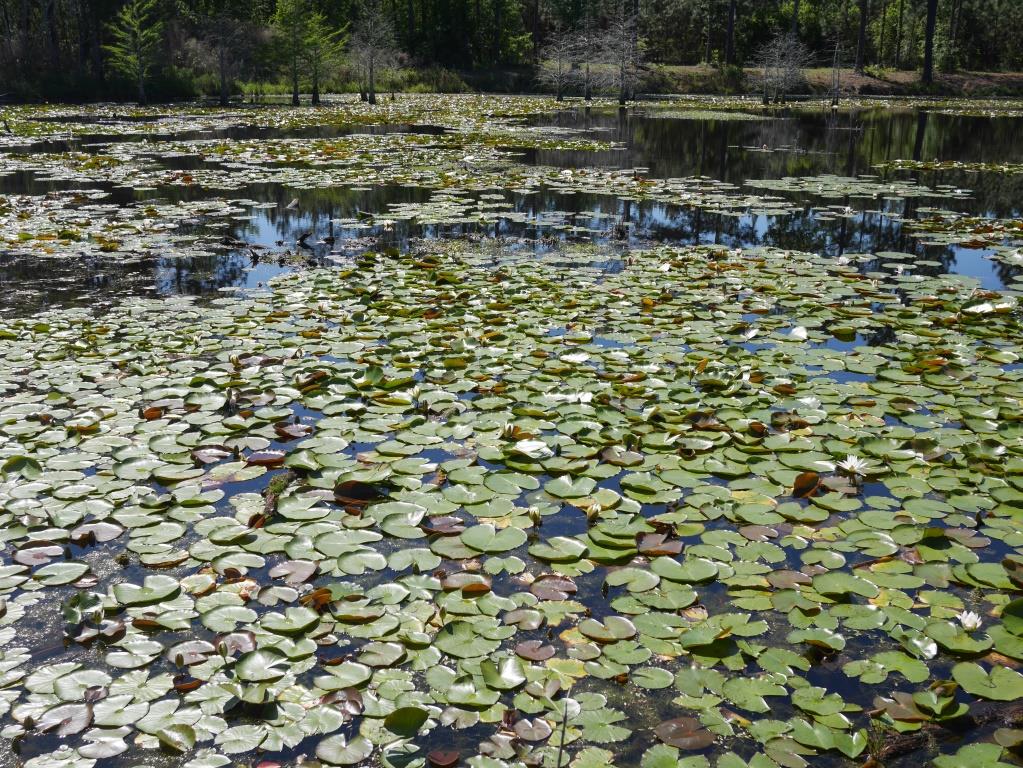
[(167, 49)]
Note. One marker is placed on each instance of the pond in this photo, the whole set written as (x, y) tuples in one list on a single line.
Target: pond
[(500, 432)]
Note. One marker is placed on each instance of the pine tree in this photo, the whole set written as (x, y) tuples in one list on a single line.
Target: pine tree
[(291, 21), (323, 47), (136, 33)]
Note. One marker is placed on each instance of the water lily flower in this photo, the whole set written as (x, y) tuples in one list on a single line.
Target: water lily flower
[(534, 449), (854, 465), (799, 333), (970, 621), (576, 357)]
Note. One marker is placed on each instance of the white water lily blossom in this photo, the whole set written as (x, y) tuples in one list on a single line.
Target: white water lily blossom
[(854, 465), (970, 621), (534, 449)]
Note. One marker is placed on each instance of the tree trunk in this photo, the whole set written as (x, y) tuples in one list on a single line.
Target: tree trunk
[(83, 37), (26, 35), (861, 40), (707, 53), (932, 18), (949, 64), (223, 72), (294, 81), (142, 87), (635, 25), (898, 38), (495, 53), (95, 49), (477, 36), (880, 45), (730, 34), (795, 18), (372, 83), (52, 36), (410, 31), (316, 88), (536, 31)]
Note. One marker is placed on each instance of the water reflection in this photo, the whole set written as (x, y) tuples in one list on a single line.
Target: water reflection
[(285, 227)]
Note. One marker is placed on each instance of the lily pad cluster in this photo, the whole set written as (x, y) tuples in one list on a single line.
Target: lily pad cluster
[(719, 507)]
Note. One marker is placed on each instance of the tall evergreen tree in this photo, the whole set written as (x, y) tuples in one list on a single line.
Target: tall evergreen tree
[(291, 23), (137, 34), (323, 48)]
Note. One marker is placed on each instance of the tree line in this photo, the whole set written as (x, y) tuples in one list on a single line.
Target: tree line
[(66, 49)]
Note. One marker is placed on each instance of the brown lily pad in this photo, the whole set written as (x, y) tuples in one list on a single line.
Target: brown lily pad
[(535, 650), (553, 587), (806, 485), (685, 733)]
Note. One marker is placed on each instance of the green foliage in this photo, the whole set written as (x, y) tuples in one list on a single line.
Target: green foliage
[(136, 34), (493, 44)]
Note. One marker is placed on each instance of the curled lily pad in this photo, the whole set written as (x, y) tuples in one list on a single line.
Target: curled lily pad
[(338, 750), (177, 737), (461, 640), (551, 587), (406, 721), (65, 719), (611, 629), (535, 650), (505, 675)]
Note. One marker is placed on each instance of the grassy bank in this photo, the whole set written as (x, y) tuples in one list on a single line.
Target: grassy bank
[(708, 79)]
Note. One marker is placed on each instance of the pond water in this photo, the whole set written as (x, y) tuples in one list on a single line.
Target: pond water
[(498, 432), (663, 143)]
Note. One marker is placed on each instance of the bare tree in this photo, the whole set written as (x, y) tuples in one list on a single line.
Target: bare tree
[(623, 54), (223, 49), (589, 55), (371, 46), (782, 62), (558, 62)]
